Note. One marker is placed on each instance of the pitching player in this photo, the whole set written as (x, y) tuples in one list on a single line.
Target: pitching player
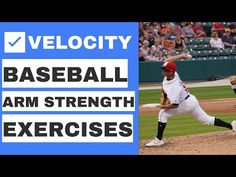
[(233, 83), (181, 102)]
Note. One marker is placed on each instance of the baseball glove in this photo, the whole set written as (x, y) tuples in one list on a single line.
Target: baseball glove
[(163, 98), (232, 80)]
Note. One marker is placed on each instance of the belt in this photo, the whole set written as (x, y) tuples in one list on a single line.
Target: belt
[(187, 97)]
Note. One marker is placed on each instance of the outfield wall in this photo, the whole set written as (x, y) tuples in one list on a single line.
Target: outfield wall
[(189, 69)]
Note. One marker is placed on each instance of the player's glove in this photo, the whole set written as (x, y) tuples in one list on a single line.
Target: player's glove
[(163, 98)]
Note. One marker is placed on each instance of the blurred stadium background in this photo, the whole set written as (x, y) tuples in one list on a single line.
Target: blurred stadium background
[(212, 45)]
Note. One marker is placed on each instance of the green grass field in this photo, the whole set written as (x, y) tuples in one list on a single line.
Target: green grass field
[(153, 96), (183, 125)]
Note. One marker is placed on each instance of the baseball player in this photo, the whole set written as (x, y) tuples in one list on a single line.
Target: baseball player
[(233, 83), (181, 101)]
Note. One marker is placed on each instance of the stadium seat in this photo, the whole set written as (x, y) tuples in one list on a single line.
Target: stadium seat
[(190, 47), (226, 24), (224, 52), (194, 47), (202, 58), (232, 51), (212, 58), (187, 42), (211, 52), (190, 41), (193, 58), (199, 41), (207, 46), (201, 47), (223, 57), (177, 52), (206, 40), (197, 53)]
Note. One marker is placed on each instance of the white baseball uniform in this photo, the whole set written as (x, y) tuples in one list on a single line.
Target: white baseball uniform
[(233, 86), (178, 94)]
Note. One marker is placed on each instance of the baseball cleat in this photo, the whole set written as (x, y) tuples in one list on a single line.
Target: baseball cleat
[(234, 125), (155, 142)]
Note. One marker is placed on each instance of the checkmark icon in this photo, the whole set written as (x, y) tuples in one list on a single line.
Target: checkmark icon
[(12, 44)]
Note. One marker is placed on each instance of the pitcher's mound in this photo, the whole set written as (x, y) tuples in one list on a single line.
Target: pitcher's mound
[(214, 143)]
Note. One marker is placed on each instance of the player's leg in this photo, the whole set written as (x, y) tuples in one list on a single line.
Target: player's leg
[(203, 117), (234, 89), (163, 117), (233, 84), (162, 121), (199, 114)]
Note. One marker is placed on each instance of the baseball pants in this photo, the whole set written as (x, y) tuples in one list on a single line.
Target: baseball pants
[(188, 106)]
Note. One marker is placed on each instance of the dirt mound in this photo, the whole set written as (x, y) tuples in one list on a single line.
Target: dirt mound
[(223, 142), (215, 143)]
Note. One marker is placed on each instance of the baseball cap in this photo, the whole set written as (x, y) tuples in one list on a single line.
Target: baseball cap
[(169, 66)]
